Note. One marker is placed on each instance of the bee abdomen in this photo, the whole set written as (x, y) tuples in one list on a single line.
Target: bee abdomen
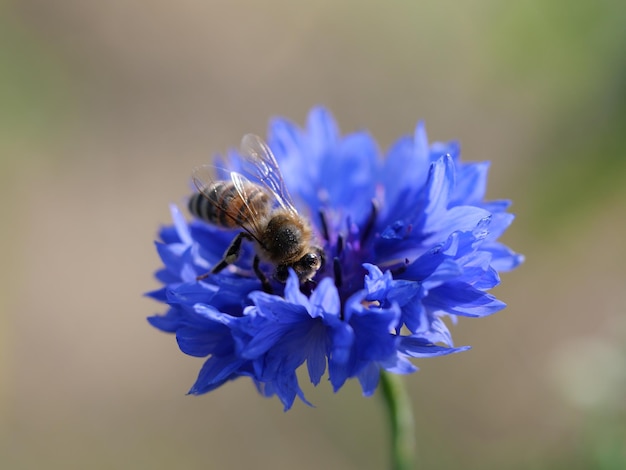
[(200, 207), (222, 205)]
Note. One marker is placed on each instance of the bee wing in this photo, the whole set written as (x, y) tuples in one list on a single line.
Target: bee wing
[(261, 163), (244, 189), (204, 180)]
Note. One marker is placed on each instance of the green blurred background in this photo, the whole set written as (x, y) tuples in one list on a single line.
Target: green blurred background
[(106, 106)]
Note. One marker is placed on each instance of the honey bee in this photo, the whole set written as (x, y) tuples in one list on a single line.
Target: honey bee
[(265, 212)]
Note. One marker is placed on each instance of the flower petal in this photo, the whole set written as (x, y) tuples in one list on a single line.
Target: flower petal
[(416, 346), (462, 299)]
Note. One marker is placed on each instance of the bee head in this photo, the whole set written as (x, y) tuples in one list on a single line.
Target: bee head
[(306, 267)]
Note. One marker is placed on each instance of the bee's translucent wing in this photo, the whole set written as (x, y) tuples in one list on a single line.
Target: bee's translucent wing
[(246, 191), (204, 179), (207, 184), (261, 163)]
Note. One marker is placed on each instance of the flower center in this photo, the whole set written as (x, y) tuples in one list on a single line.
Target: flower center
[(348, 245)]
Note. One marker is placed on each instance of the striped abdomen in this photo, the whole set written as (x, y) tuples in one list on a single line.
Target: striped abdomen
[(221, 204)]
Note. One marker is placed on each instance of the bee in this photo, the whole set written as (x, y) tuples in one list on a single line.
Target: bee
[(265, 212)]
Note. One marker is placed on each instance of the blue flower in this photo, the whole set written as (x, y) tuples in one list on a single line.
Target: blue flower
[(410, 245)]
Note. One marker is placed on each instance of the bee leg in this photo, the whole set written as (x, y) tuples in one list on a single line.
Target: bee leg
[(230, 256), (261, 275)]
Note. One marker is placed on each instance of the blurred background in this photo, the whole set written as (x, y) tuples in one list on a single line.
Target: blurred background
[(106, 106)]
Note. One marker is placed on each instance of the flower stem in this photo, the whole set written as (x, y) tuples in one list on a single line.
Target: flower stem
[(401, 419)]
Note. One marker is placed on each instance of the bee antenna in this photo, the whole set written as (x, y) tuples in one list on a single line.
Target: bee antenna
[(324, 225), (371, 220), (337, 272), (339, 245)]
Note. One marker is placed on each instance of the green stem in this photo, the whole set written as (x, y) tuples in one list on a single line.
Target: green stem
[(401, 418)]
